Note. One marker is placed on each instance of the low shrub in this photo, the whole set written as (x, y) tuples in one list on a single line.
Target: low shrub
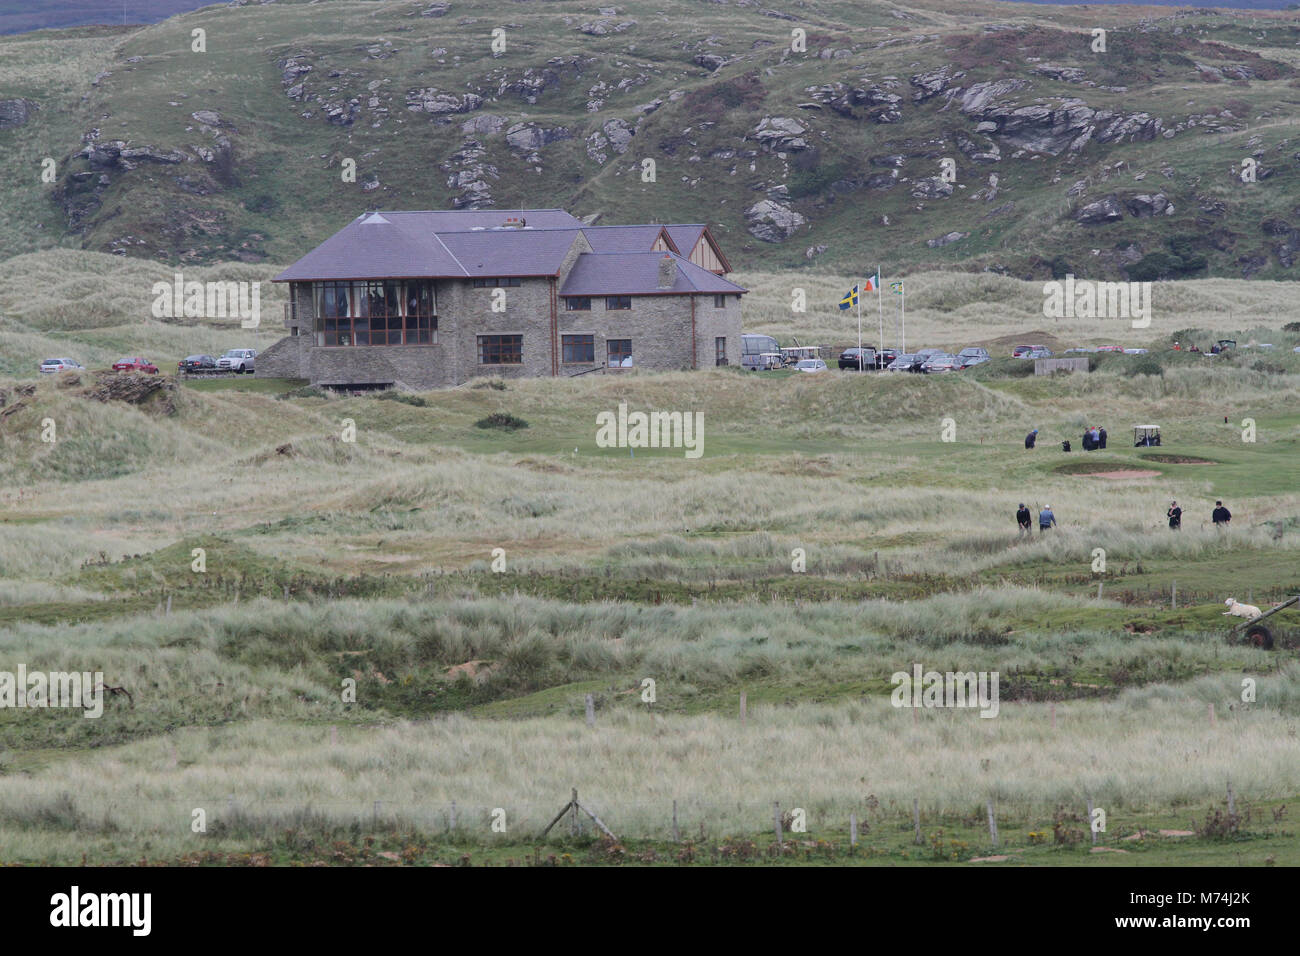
[(501, 420)]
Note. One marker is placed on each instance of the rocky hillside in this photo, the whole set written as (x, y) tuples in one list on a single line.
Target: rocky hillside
[(839, 134)]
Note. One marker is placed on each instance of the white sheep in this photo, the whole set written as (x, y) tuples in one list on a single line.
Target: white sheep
[(1237, 609)]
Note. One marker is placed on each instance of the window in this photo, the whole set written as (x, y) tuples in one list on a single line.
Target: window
[(620, 352), (720, 350), (615, 303), (500, 349), (719, 301), (577, 303), (579, 349), (381, 312), (507, 282)]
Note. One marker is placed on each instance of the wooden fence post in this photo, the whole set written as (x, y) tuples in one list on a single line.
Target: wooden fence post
[(993, 826), (677, 834), (1173, 595), (776, 821), (591, 711), (853, 829), (574, 822), (743, 708), (916, 817)]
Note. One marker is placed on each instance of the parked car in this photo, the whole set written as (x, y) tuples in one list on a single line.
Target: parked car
[(50, 366), (239, 360), (1040, 351), (902, 363), (135, 364), (1110, 348), (196, 363), (859, 358), (810, 365), (1080, 350), (941, 362), (1135, 351), (1020, 350), (1225, 344), (972, 356)]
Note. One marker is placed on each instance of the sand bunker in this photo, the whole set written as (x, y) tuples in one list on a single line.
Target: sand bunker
[(1131, 473)]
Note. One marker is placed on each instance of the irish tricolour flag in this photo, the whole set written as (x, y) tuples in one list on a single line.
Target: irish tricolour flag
[(872, 283)]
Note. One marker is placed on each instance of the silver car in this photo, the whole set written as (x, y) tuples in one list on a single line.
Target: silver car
[(238, 360), (50, 366)]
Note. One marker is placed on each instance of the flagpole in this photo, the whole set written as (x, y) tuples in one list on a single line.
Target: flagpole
[(902, 305), (880, 298), (859, 298)]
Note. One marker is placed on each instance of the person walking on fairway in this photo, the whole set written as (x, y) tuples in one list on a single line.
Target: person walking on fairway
[(1175, 514), (1046, 519), (1031, 438), (1221, 515), (1024, 519)]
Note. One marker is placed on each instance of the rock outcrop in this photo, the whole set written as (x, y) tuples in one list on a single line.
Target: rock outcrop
[(772, 221)]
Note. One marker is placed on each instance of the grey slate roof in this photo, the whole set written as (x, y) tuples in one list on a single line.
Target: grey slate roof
[(511, 252), (637, 273), (685, 235), (474, 243), (624, 238), (416, 244)]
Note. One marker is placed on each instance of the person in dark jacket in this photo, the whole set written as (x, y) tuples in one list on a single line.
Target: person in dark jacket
[(1101, 438), (1024, 519), (1031, 438), (1221, 515), (1175, 515)]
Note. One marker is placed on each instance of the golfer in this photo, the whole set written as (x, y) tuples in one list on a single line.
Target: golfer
[(1175, 515), (1024, 519), (1221, 515), (1046, 519)]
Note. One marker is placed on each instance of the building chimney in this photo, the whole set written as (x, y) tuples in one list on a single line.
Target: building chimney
[(667, 272)]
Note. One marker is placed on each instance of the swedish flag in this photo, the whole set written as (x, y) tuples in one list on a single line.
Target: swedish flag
[(850, 299)]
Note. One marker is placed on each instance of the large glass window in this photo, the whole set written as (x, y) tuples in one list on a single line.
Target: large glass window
[(577, 303), (377, 312), (500, 349), (617, 302), (579, 349)]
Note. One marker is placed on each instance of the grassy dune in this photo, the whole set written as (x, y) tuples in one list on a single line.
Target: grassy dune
[(827, 537)]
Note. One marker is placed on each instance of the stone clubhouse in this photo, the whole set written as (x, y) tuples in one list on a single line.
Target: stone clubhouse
[(436, 298)]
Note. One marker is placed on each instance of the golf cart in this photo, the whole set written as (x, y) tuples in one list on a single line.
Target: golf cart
[(1144, 436), (795, 354), (1256, 632)]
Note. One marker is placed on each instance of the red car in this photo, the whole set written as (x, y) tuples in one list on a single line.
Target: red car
[(135, 364)]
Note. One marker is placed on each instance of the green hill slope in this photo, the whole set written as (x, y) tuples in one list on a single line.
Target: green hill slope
[(1124, 162)]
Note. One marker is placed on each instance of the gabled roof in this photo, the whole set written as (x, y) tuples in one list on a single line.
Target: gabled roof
[(477, 243), (377, 246), (686, 235), (637, 273), (627, 238), (391, 245)]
